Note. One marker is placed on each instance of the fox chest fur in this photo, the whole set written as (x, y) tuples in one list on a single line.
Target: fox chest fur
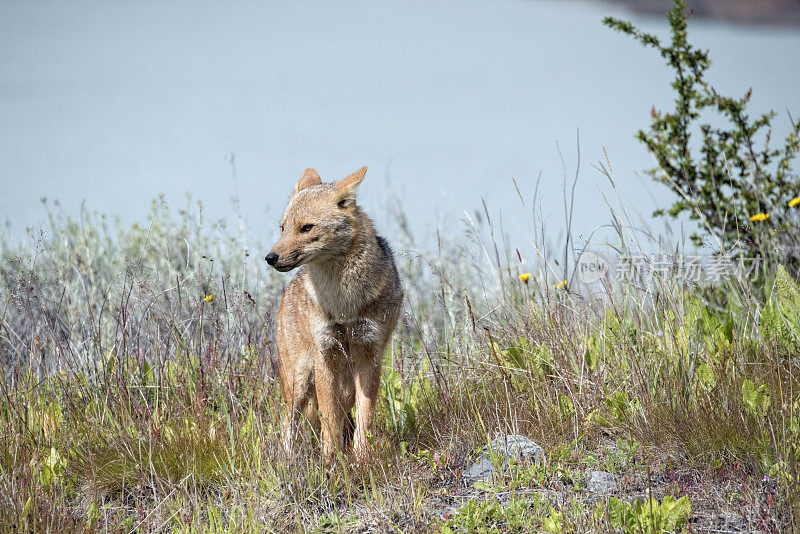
[(337, 322), (352, 302)]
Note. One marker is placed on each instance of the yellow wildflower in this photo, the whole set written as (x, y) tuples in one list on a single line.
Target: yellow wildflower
[(562, 285), (760, 217), (209, 299), (794, 202), (525, 277)]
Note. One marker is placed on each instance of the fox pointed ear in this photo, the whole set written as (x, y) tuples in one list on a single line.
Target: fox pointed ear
[(346, 189), (309, 178), (352, 181)]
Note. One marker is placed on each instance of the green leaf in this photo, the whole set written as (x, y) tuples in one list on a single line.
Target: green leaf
[(554, 522), (757, 400), (706, 376), (483, 486), (565, 405), (26, 509), (788, 299)]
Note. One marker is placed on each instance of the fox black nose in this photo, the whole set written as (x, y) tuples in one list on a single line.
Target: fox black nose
[(272, 258)]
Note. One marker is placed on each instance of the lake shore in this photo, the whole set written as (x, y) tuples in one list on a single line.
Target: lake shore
[(768, 12)]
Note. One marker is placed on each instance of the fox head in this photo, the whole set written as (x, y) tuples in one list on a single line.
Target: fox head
[(320, 222)]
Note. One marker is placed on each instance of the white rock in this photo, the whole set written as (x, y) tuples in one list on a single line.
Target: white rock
[(506, 447)]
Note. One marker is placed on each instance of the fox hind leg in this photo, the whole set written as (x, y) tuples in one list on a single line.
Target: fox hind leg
[(349, 431), (312, 413)]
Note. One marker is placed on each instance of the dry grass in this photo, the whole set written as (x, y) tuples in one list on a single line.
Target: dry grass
[(132, 402)]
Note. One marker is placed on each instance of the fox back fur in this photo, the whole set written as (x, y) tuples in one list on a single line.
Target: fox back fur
[(337, 315)]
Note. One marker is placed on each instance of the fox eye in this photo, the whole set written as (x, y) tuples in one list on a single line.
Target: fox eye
[(281, 227), (306, 228)]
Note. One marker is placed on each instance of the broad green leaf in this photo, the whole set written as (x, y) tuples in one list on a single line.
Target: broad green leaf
[(706, 376)]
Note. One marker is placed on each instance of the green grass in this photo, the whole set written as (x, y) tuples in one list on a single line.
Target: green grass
[(132, 402)]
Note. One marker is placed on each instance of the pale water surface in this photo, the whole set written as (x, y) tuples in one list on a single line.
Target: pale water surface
[(112, 103)]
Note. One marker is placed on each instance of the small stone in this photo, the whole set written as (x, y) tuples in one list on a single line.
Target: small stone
[(506, 447), (603, 483)]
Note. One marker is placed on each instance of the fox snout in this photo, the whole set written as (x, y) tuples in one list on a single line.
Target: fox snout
[(284, 262)]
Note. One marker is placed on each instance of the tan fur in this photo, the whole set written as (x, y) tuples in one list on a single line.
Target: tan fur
[(338, 313)]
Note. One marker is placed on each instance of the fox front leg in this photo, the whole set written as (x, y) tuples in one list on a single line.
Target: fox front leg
[(297, 383), (327, 372), (367, 382)]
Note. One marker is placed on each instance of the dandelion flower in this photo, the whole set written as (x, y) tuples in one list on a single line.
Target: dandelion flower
[(525, 277), (562, 285), (794, 202), (760, 217), (209, 299)]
